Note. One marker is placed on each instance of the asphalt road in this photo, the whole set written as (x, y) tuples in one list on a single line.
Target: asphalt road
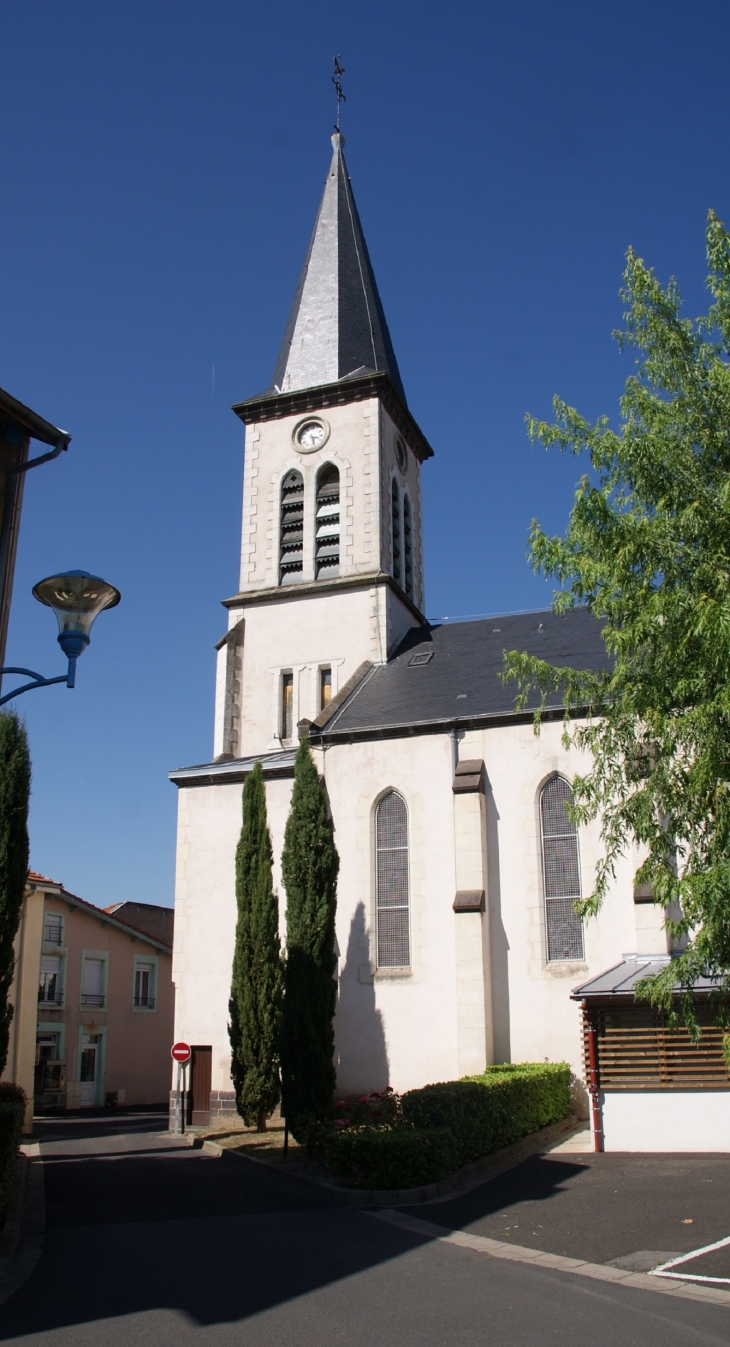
[(151, 1242)]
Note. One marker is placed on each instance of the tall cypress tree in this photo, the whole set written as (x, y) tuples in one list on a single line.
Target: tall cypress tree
[(309, 866), (14, 797), (256, 984)]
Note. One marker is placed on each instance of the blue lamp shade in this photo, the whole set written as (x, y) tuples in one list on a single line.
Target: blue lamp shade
[(76, 598)]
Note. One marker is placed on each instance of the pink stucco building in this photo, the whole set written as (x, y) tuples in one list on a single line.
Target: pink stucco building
[(93, 1000)]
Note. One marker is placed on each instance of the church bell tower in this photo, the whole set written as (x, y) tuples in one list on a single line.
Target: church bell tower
[(331, 571)]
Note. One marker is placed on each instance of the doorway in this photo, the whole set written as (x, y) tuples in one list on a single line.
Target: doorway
[(90, 1069), (201, 1062)]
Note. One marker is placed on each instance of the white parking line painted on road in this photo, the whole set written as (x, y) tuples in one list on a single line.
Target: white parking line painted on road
[(662, 1270)]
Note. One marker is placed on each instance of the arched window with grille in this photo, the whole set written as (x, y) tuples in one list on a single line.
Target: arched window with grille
[(395, 528), (392, 882), (327, 530), (291, 528), (408, 544), (561, 871)]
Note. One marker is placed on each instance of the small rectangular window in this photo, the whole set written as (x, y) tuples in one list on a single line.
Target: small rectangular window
[(49, 991), (144, 986), (92, 982), (325, 688), (53, 929), (287, 706)]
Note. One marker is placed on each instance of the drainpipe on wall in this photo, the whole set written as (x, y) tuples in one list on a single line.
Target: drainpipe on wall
[(593, 1078)]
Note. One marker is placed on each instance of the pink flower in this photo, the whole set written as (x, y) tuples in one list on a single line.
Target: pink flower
[(340, 1103), (363, 1099), (342, 1122), (388, 1089)]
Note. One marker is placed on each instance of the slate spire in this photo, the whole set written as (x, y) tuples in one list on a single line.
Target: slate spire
[(336, 325)]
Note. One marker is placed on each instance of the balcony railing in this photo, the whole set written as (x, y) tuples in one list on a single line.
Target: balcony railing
[(50, 998), (93, 999), (52, 935), (148, 1002)]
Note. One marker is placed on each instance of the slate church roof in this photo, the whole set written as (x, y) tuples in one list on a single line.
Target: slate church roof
[(336, 326), (450, 674)]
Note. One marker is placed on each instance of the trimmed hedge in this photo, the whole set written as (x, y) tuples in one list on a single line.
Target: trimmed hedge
[(486, 1112), (12, 1110), (378, 1157)]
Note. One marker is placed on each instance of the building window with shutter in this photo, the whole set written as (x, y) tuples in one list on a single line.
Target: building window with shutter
[(408, 544), (392, 882), (93, 981), (291, 528), (145, 988), (287, 706), (395, 530), (327, 530), (50, 990), (561, 872), (53, 929)]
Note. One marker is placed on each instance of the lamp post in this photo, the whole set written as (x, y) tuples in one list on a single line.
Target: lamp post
[(76, 598)]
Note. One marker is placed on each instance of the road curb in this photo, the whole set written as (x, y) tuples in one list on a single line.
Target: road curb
[(515, 1253), (461, 1181)]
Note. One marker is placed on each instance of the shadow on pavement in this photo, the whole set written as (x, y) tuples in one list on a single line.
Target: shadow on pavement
[(219, 1239), (597, 1207)]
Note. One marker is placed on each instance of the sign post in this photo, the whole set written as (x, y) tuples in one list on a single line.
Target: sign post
[(180, 1053)]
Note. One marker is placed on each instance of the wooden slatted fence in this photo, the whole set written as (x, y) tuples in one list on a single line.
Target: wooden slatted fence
[(637, 1051)]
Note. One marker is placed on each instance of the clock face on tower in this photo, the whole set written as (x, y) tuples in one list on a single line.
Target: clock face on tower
[(310, 435)]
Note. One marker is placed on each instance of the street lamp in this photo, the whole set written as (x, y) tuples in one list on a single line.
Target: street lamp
[(76, 598)]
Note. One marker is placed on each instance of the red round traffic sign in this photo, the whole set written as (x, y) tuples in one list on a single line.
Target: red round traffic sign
[(180, 1052)]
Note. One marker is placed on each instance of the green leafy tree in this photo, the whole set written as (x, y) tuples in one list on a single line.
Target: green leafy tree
[(647, 549), (14, 798), (309, 867), (256, 984)]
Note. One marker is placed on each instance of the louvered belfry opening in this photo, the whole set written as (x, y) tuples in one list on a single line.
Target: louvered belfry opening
[(561, 872), (408, 544), (392, 882), (291, 535), (395, 525), (327, 532)]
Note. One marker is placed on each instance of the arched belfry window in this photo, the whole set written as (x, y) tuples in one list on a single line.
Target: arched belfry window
[(392, 882), (408, 544), (291, 530), (561, 871), (327, 531), (395, 528)]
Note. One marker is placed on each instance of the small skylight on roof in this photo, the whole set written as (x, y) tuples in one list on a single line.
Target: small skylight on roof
[(416, 660)]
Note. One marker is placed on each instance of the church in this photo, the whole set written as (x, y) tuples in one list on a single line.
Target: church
[(458, 943)]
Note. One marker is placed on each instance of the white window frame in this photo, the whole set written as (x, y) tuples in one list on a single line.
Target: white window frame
[(54, 952), (48, 945), (148, 961), (578, 958), (91, 956)]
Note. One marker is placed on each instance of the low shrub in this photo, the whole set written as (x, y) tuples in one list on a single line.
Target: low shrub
[(12, 1109), (500, 1106), (381, 1157)]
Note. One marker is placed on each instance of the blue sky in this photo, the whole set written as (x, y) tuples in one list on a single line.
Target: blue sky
[(162, 163)]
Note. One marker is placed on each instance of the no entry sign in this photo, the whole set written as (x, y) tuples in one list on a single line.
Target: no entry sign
[(180, 1052)]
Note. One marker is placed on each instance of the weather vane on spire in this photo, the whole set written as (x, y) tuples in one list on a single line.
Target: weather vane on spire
[(337, 81)]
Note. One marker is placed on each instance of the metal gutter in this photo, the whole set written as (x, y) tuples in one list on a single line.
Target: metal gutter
[(275, 766)]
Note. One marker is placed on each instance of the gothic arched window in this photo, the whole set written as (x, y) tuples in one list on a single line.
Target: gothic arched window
[(561, 871), (391, 882), (327, 530), (291, 530), (408, 543), (395, 527)]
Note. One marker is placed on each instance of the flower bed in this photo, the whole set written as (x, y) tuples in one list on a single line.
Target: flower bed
[(383, 1141)]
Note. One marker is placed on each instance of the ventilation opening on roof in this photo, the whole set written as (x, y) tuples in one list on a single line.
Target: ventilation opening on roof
[(408, 543), (395, 526), (417, 660), (327, 533), (291, 535)]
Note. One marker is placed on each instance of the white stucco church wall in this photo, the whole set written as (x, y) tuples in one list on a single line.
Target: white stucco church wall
[(326, 638)]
